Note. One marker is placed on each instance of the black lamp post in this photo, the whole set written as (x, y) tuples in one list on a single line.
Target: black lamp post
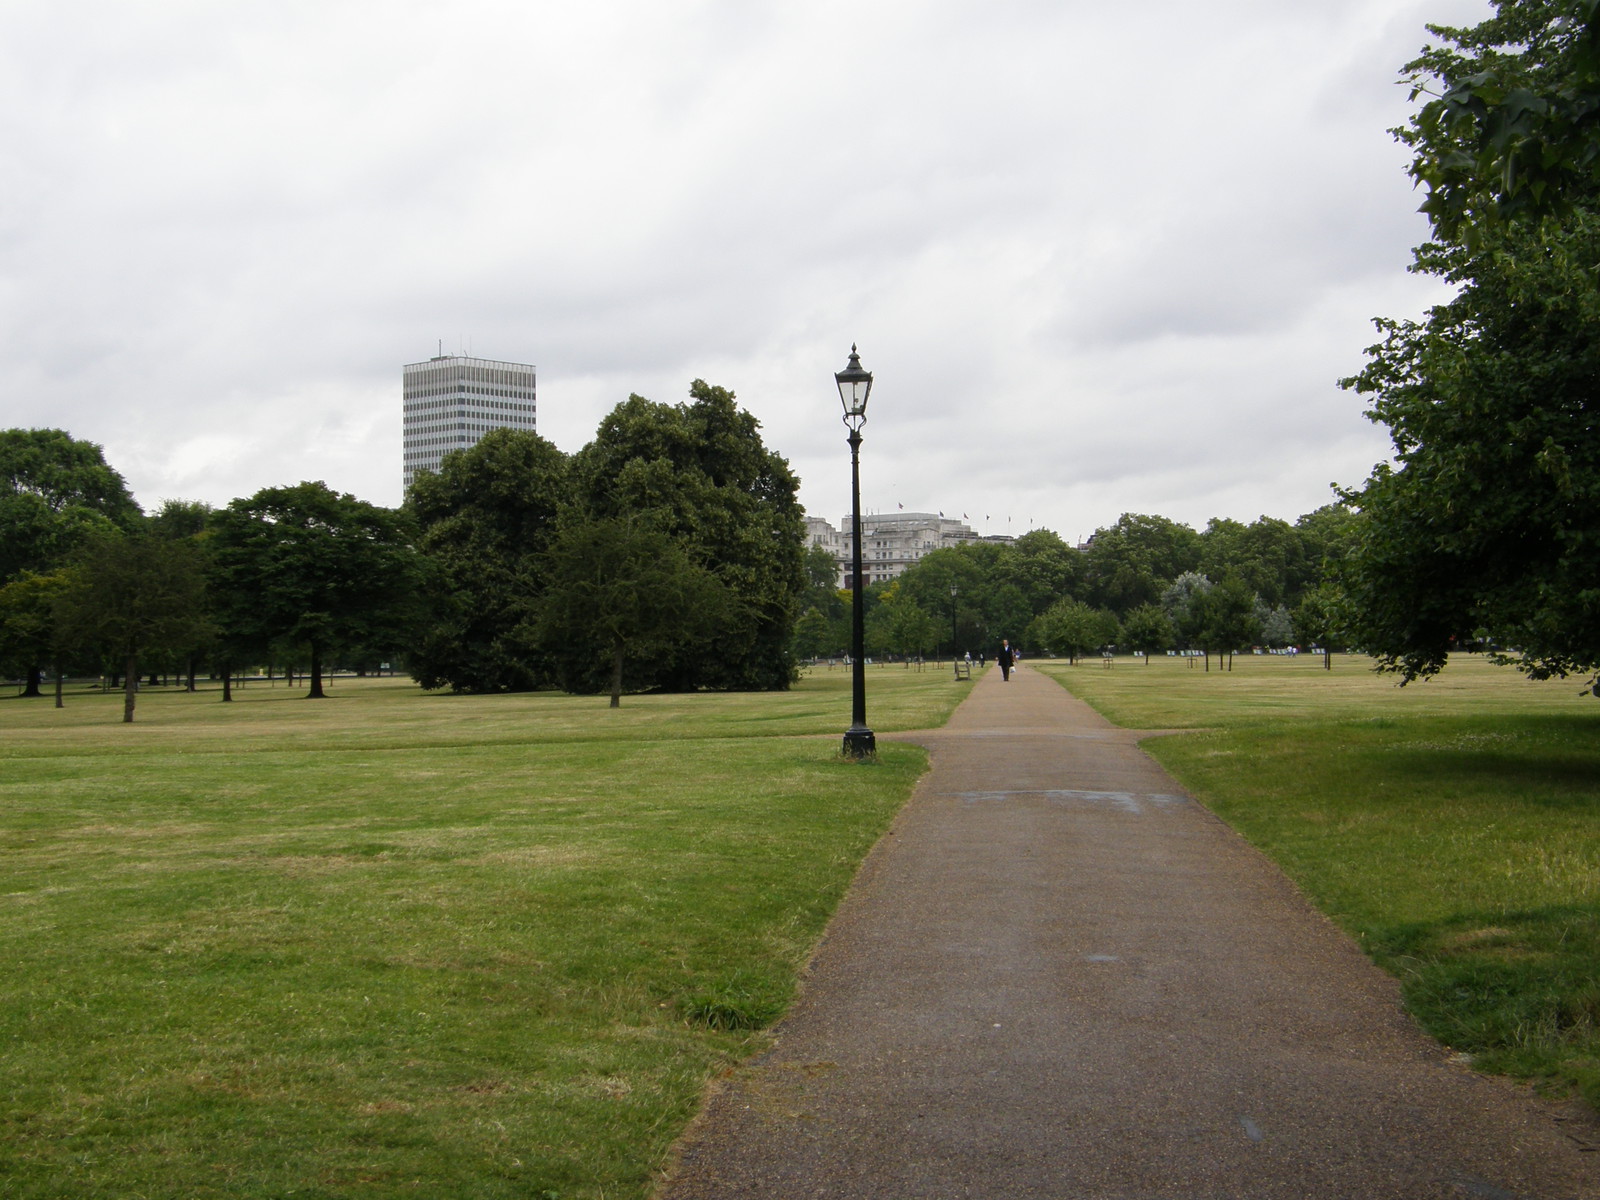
[(854, 387), (954, 637)]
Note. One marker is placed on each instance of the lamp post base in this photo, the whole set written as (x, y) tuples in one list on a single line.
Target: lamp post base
[(859, 742)]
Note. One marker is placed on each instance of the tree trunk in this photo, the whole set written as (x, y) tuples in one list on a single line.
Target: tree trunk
[(189, 682), (616, 674), (31, 687), (130, 689), (59, 703), (316, 692), (1327, 659), (227, 684)]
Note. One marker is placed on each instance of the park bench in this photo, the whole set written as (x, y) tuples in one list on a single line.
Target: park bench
[(963, 669)]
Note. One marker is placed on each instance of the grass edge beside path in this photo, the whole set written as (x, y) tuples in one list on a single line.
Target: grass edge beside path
[(1452, 828), (396, 944)]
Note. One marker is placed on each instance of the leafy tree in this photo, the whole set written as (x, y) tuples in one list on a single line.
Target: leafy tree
[(1225, 619), (1269, 555), (1328, 534), (630, 589), (1485, 527), (1511, 133), (1042, 568), (971, 570), (1275, 623), (130, 596), (1006, 613), (179, 519), (899, 625), (822, 570), (487, 520), (308, 566), (813, 635), (1319, 618), (823, 624), (1131, 563), (55, 491), (28, 633), (701, 475), (1181, 601), (1073, 628), (1148, 630)]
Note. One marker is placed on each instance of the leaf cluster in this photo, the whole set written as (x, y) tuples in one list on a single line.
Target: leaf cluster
[(1511, 134), (1484, 528)]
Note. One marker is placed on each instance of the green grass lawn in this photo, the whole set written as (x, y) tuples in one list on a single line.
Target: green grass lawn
[(392, 943), (1452, 826)]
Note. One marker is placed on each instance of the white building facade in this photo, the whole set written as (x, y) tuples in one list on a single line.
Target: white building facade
[(451, 401), (890, 542)]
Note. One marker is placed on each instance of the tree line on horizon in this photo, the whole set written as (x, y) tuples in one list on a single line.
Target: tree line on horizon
[(667, 554), (664, 554), (1145, 583), (669, 551)]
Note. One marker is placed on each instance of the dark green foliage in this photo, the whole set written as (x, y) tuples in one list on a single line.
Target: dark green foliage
[(1147, 629), (130, 596), (1272, 557), (180, 519), (822, 572), (1486, 526), (1511, 131), (814, 635), (823, 626), (1132, 562), (1041, 567), (1225, 617), (63, 473), (55, 491), (1181, 602), (620, 590), (1484, 530), (28, 640), (306, 566), (1073, 629), (701, 475), (487, 519), (897, 624), (1006, 590)]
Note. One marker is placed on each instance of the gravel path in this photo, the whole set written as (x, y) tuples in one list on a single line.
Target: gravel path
[(1059, 976)]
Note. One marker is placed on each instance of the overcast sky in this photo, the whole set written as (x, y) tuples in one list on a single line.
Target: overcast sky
[(1101, 258)]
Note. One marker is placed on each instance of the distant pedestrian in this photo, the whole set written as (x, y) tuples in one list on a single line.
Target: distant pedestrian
[(1005, 658)]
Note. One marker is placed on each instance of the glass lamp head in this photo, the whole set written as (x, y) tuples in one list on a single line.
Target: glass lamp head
[(855, 385)]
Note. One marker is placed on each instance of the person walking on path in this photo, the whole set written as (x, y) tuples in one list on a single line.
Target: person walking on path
[(1058, 976), (1005, 658)]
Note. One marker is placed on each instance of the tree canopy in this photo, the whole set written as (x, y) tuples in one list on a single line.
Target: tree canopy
[(701, 475), (131, 595), (306, 566), (1485, 527), (487, 520), (1482, 531), (619, 587), (1511, 130), (55, 493)]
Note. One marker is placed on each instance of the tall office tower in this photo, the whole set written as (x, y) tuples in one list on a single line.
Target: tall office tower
[(452, 401)]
